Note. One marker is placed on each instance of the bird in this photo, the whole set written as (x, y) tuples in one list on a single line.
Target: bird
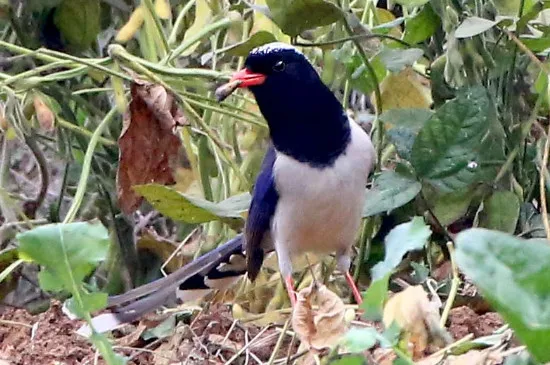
[(308, 195)]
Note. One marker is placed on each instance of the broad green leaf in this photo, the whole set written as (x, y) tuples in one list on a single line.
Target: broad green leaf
[(390, 190), (500, 212), (68, 253), (512, 274), (451, 206), (190, 209), (402, 126), (422, 26), (536, 44), (473, 26), (79, 21), (403, 238), (449, 150), (375, 297), (360, 78), (94, 302), (255, 40), (296, 16), (397, 59), (361, 339)]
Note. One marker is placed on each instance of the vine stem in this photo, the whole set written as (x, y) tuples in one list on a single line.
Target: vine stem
[(455, 282), (81, 188), (542, 184)]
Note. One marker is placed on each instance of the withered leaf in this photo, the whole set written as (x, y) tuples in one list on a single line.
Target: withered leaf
[(418, 318), (149, 148), (324, 327)]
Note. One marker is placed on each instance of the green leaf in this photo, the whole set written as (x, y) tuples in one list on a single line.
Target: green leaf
[(255, 40), (404, 125), (296, 16), (106, 350), (360, 78), (451, 206), (79, 21), (68, 252), (403, 238), (190, 209), (361, 339), (396, 60), (94, 302), (512, 274), (390, 190), (500, 212), (473, 26), (422, 26), (449, 151), (375, 297)]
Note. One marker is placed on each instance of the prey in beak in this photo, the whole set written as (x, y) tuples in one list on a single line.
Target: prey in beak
[(240, 79)]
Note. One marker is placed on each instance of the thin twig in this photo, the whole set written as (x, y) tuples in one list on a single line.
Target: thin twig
[(279, 343), (528, 52), (243, 349), (351, 38), (14, 323), (455, 282), (543, 185)]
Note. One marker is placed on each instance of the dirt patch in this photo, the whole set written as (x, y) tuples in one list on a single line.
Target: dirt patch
[(212, 336), (463, 321), (53, 341)]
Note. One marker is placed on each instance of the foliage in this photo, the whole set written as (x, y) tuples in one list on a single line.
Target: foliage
[(455, 94)]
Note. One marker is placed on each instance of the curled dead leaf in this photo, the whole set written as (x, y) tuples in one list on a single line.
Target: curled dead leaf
[(321, 328), (44, 114), (418, 318), (149, 148)]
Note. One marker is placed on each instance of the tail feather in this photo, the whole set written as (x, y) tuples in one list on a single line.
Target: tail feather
[(196, 278)]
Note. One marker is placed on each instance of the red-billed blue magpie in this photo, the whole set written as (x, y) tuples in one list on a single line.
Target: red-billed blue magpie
[(308, 195)]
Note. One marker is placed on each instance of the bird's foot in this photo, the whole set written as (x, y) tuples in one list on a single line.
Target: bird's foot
[(356, 293)]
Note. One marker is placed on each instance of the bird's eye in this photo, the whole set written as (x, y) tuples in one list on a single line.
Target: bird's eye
[(279, 66)]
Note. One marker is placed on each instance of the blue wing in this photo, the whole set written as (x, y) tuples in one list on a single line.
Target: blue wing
[(262, 208)]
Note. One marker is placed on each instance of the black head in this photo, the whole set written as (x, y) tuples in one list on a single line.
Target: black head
[(305, 119)]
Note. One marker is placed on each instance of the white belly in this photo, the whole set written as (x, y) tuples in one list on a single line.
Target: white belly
[(320, 209)]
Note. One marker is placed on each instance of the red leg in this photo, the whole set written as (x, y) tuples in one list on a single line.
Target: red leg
[(356, 293), (289, 283)]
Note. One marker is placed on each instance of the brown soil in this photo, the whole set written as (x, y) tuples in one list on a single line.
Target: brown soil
[(463, 321), (211, 338)]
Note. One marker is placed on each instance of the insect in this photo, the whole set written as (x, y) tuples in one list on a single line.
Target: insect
[(225, 90)]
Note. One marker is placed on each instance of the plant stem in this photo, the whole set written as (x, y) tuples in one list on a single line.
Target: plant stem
[(179, 21), (81, 188), (220, 24), (454, 285)]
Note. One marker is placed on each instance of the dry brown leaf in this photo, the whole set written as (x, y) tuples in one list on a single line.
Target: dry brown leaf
[(44, 114), (133, 338), (417, 316), (321, 328), (149, 149)]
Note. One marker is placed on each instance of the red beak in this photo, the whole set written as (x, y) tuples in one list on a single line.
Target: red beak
[(248, 78)]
